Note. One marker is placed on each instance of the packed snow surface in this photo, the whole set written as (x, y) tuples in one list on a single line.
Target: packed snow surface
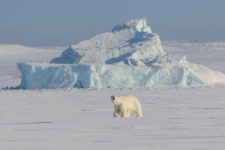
[(173, 119), (128, 56)]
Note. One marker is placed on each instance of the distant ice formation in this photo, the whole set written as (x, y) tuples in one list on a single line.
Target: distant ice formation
[(128, 56), (132, 43)]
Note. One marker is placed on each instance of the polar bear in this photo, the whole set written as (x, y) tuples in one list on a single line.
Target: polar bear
[(124, 105)]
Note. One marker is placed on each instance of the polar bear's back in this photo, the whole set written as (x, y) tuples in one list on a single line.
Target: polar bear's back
[(129, 99)]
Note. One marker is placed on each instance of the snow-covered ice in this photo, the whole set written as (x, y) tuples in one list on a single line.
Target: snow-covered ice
[(129, 56), (174, 119)]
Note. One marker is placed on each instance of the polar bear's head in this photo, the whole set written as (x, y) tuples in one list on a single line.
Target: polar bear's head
[(116, 100)]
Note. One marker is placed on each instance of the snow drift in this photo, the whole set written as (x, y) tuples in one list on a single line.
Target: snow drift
[(128, 56)]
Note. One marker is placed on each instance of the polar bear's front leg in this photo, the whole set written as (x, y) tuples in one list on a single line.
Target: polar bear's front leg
[(124, 112), (128, 113), (116, 112)]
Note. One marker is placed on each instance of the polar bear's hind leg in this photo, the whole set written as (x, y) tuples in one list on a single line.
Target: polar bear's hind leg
[(139, 113)]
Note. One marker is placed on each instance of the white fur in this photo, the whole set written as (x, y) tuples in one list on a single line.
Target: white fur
[(124, 105)]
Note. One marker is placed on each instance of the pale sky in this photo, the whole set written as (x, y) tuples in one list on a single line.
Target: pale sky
[(66, 22)]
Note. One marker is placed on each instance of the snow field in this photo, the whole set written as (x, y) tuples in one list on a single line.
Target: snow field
[(174, 118)]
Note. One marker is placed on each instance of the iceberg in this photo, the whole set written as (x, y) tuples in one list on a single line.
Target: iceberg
[(131, 43), (52, 76), (130, 56)]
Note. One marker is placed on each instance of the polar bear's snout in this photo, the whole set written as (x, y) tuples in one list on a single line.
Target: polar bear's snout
[(113, 98)]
